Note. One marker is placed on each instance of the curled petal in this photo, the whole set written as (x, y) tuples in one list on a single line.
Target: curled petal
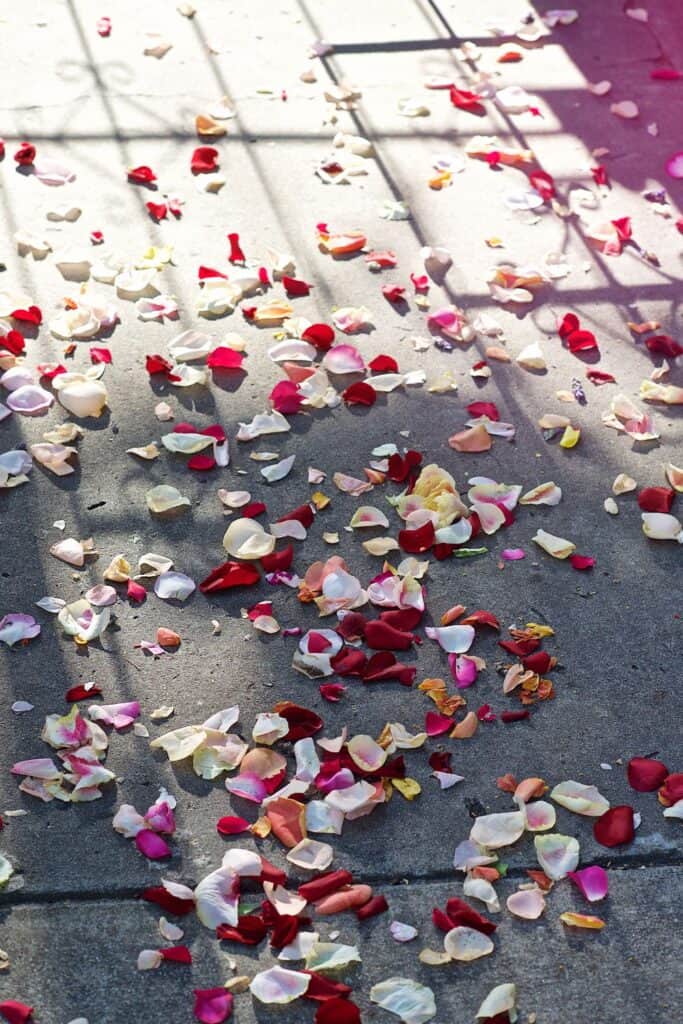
[(582, 920), (660, 526), (555, 546), (500, 1000)]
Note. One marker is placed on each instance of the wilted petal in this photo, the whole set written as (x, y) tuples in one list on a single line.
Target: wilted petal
[(217, 898), (247, 539), (662, 526), (555, 546)]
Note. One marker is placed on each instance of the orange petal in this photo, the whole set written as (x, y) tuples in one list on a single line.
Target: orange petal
[(474, 439), (167, 638), (288, 819), (467, 728)]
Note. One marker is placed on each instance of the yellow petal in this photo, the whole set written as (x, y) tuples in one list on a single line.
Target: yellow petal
[(582, 920), (570, 438), (408, 788)]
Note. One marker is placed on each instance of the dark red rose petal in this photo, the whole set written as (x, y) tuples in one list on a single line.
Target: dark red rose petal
[(615, 827), (656, 499), (80, 692), (349, 662), (99, 354), (672, 790), (322, 989), (383, 667), (294, 287), (360, 393), (177, 954), (440, 760), (253, 509), (598, 377), (375, 905), (279, 561), (201, 463), (540, 662), (228, 575), (25, 155), (400, 467), (416, 542), (463, 915), (325, 885), (249, 931), (645, 774), (302, 721), (663, 345), (332, 691), (352, 626), (513, 716), (337, 1011), (380, 636), (520, 648), (163, 898), (401, 618), (304, 514)]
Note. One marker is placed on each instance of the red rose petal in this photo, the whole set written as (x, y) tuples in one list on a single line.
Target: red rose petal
[(513, 716), (201, 463), (99, 354), (383, 667), (383, 364), (80, 692), (645, 774), (25, 155), (543, 183), (663, 345), (615, 827), (304, 514), (656, 499), (286, 398), (142, 175), (204, 273), (236, 254), (481, 618), (600, 377), (402, 618), (13, 342), (32, 315), (294, 287), (349, 662), (232, 825), (400, 467), (415, 542), (375, 905), (337, 1011), (249, 931), (158, 211), (488, 409), (332, 691), (15, 1012), (320, 335), (581, 562), (666, 74), (204, 160), (360, 393), (325, 885), (672, 790), (540, 662), (380, 636), (461, 914), (463, 99), (279, 561), (177, 954), (322, 989), (225, 358), (228, 575), (164, 899), (253, 509), (302, 721), (393, 293), (157, 364), (436, 724)]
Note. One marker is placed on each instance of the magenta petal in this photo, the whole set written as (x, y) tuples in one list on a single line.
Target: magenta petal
[(212, 1005), (512, 554), (593, 882), (464, 670), (674, 165), (152, 845)]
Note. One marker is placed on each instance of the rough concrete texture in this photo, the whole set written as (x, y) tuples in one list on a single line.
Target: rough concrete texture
[(101, 106)]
